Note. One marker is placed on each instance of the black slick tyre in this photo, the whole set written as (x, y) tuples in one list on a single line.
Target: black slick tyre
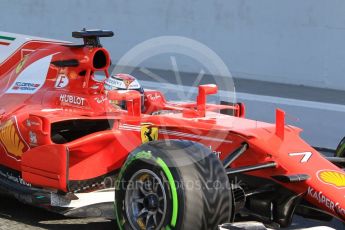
[(172, 185)]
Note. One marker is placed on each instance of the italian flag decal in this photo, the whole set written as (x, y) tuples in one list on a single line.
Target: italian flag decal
[(5, 40)]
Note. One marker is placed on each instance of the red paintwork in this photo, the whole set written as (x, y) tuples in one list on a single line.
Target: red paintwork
[(44, 163)]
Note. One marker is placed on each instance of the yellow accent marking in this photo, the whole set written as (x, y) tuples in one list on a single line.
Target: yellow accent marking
[(141, 224), (10, 139), (144, 177), (21, 64), (334, 178)]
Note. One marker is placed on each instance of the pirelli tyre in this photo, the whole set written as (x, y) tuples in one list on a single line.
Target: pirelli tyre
[(172, 185)]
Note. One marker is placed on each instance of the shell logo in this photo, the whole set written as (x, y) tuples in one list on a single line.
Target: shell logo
[(11, 140), (331, 177)]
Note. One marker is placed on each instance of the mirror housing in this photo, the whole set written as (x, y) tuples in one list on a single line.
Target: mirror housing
[(132, 98), (201, 100)]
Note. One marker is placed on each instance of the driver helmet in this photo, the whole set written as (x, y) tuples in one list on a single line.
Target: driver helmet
[(122, 81)]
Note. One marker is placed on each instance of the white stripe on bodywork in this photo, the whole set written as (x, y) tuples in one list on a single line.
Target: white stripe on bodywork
[(175, 133), (305, 158)]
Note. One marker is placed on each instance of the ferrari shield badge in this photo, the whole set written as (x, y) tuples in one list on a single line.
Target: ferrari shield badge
[(148, 133), (21, 64)]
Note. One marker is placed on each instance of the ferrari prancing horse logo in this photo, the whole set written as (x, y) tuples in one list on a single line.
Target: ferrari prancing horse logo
[(148, 133)]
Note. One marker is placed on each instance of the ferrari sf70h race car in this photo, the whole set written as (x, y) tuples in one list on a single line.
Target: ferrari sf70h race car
[(80, 146)]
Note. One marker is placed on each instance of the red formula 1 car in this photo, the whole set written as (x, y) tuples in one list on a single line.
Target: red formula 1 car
[(69, 140)]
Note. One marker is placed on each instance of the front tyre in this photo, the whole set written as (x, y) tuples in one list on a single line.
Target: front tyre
[(172, 185)]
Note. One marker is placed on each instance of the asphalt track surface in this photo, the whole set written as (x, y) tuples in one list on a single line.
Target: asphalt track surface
[(320, 113), (15, 215)]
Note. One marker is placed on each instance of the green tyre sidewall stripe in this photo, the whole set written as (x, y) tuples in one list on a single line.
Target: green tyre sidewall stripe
[(148, 156), (170, 177), (139, 155)]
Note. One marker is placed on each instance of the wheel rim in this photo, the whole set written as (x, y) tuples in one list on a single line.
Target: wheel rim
[(145, 200)]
